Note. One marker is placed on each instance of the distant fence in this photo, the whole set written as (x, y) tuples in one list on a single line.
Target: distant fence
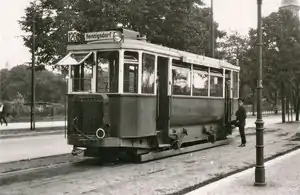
[(266, 110)]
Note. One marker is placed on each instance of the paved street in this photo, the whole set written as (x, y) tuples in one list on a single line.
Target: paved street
[(282, 177), (26, 125), (32, 147)]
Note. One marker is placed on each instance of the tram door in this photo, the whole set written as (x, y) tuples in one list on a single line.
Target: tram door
[(228, 111), (163, 100)]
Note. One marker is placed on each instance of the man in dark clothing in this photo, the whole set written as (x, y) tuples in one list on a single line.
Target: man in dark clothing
[(241, 121), (2, 114)]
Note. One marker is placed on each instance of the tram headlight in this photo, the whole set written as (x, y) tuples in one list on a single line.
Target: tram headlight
[(118, 37), (100, 133)]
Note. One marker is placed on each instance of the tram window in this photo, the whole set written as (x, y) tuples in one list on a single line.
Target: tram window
[(200, 82), (148, 73), (235, 83), (130, 72), (83, 73), (181, 80), (131, 57), (107, 71), (130, 78), (216, 83)]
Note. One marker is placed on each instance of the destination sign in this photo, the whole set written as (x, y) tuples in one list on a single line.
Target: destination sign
[(99, 36)]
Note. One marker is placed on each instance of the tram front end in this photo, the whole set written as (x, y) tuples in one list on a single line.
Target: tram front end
[(100, 119), (88, 120)]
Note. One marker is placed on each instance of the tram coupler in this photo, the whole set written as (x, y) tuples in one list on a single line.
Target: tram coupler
[(76, 151), (211, 134), (177, 136)]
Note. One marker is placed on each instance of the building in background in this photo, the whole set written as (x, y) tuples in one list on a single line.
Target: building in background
[(292, 5)]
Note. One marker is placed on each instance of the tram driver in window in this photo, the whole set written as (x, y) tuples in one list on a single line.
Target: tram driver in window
[(241, 121)]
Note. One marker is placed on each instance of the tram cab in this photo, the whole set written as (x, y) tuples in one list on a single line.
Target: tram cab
[(127, 93)]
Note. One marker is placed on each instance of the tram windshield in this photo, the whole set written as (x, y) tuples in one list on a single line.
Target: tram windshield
[(82, 72), (87, 71), (107, 71)]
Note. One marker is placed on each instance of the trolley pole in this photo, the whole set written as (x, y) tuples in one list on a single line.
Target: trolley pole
[(259, 168), (212, 30), (32, 111)]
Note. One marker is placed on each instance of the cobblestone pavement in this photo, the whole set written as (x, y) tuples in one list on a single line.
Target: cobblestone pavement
[(161, 176), (282, 177)]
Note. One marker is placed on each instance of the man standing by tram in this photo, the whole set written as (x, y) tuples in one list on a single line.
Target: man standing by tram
[(241, 121)]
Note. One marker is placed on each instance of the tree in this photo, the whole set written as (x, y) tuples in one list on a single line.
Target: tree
[(50, 87), (178, 24), (236, 47), (281, 55)]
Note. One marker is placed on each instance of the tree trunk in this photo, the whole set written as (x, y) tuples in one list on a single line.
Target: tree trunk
[(292, 112), (275, 103), (297, 103), (253, 103), (241, 91), (288, 107), (292, 106), (282, 103), (297, 108)]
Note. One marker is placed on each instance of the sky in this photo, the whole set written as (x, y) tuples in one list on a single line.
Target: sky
[(232, 15)]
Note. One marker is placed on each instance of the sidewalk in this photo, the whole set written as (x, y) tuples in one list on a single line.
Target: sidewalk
[(282, 177), (26, 125)]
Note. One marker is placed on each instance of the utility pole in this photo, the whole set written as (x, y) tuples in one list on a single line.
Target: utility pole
[(212, 30), (259, 167), (32, 111)]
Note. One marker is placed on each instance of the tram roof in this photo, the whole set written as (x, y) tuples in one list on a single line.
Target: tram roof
[(134, 44)]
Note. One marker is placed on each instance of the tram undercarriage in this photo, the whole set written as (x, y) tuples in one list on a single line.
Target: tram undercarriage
[(137, 154), (148, 148)]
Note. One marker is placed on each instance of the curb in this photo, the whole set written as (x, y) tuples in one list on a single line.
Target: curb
[(32, 134), (21, 130), (217, 178)]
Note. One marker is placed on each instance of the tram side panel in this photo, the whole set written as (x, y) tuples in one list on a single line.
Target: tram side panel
[(194, 111), (136, 115), (197, 115)]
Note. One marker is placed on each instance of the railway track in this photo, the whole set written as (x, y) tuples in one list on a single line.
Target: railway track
[(176, 175), (45, 167), (30, 169), (26, 170)]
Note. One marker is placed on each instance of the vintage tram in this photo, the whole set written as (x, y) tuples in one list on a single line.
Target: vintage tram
[(129, 97)]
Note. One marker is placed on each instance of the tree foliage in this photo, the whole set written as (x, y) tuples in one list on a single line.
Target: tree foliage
[(179, 24), (281, 43), (183, 24), (236, 48), (16, 84)]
